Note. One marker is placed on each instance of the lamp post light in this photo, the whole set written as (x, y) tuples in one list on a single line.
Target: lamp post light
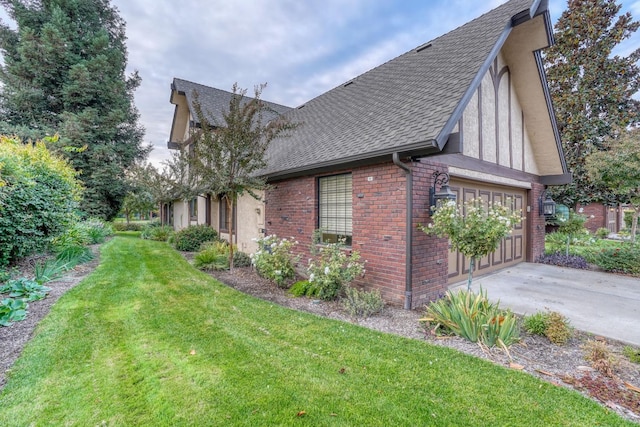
[(437, 198)]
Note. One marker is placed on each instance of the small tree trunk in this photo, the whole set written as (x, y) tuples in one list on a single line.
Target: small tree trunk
[(634, 223), (568, 243), (230, 228), (472, 265)]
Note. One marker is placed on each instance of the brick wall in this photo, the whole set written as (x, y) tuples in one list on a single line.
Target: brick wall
[(535, 224), (378, 222), (596, 214), (430, 254), (379, 231)]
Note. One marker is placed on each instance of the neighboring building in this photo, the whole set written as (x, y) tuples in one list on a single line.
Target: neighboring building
[(473, 103)]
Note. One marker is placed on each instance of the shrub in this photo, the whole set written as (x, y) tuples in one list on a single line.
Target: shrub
[(632, 353), (362, 303), (300, 288), (76, 235), (558, 328), (536, 323), (602, 233), (123, 226), (274, 260), (473, 317), (241, 259), (622, 259), (600, 357), (190, 239), (213, 256), (39, 194), (12, 310), (159, 233), (562, 260), (334, 269)]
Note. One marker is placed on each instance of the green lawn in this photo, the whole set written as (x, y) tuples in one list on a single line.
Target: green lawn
[(147, 340)]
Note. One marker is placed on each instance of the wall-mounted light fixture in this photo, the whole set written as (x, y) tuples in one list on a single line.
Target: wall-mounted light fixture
[(445, 194), (547, 205)]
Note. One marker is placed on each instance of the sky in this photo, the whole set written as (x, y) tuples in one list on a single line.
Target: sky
[(300, 48)]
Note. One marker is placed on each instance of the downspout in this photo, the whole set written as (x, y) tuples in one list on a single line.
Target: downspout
[(408, 290)]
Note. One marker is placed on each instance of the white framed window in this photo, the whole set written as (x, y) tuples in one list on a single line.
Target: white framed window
[(335, 207)]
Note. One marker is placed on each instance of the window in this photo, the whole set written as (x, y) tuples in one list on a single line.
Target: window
[(335, 201), (223, 215), (193, 209)]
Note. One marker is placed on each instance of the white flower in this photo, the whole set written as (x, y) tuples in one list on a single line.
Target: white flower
[(326, 270), (278, 272), (430, 225), (311, 276), (273, 245)]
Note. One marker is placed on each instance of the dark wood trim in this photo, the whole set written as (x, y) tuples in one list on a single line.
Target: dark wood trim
[(480, 139), (466, 162), (510, 123)]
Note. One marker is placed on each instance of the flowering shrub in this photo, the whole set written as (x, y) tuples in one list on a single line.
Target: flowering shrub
[(274, 260), (334, 269), (476, 232)]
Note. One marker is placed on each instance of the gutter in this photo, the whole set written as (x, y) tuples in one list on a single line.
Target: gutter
[(408, 291)]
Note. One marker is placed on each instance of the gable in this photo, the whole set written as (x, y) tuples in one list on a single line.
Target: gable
[(410, 106)]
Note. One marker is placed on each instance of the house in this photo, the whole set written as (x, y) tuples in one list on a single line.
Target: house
[(471, 106)]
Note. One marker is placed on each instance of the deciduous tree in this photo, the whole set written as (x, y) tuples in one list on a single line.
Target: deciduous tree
[(591, 88), (64, 72), (228, 156), (618, 170)]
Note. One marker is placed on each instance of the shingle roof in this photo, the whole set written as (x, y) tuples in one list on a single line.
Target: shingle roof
[(215, 101), (407, 105), (402, 105)]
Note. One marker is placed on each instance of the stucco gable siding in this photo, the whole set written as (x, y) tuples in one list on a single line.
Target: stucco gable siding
[(493, 123)]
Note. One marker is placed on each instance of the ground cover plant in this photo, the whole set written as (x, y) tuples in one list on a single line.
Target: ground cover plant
[(610, 255), (149, 340)]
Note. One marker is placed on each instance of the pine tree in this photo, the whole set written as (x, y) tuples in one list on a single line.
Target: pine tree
[(64, 72), (591, 89)]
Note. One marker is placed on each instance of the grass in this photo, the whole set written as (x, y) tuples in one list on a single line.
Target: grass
[(148, 340)]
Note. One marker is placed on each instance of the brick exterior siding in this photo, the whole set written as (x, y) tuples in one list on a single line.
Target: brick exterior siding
[(379, 227)]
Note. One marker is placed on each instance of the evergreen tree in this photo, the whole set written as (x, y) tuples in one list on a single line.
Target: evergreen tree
[(64, 72), (591, 89)]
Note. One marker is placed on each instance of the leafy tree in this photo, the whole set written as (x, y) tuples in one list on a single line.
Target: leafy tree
[(474, 230), (39, 194), (591, 88), (64, 71), (228, 156), (140, 198), (618, 170)]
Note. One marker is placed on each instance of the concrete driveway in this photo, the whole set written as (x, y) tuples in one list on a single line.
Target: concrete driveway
[(601, 303)]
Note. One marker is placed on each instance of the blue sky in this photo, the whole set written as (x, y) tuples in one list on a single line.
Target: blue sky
[(300, 48)]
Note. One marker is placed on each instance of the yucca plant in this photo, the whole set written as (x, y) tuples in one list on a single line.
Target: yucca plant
[(473, 317)]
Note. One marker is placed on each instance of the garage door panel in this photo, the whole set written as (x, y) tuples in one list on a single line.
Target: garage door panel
[(511, 250), (508, 249)]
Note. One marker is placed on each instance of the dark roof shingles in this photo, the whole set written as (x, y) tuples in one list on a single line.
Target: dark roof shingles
[(401, 103)]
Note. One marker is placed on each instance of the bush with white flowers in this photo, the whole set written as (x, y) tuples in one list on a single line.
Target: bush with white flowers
[(334, 268), (274, 260), (475, 231)]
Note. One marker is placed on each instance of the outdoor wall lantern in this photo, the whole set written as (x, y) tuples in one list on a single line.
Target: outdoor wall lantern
[(445, 194), (547, 205)]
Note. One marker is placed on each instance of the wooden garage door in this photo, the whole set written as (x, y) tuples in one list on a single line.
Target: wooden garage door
[(511, 250)]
